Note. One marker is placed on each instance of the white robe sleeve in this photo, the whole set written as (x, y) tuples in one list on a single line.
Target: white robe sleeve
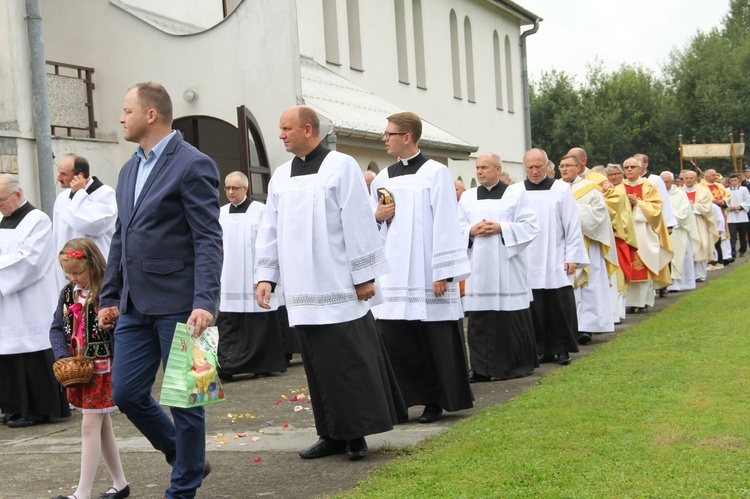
[(519, 232), (266, 247), (575, 251), (449, 257), (24, 262), (364, 248), (92, 214)]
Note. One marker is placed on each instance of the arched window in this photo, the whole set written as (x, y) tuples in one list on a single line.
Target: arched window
[(355, 36), (498, 72), (373, 167), (455, 57), (509, 74), (403, 61), (416, 12), (331, 32), (469, 49), (473, 183)]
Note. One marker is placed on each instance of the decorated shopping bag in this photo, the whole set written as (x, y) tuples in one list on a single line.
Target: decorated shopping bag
[(190, 378)]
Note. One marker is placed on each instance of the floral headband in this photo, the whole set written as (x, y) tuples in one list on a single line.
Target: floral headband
[(74, 254)]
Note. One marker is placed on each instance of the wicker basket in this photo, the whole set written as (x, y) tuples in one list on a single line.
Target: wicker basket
[(74, 371)]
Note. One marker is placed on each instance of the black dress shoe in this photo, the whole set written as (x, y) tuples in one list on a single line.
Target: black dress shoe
[(474, 377), (563, 358), (9, 417), (24, 422), (356, 449), (431, 413), (543, 359), (261, 375), (117, 494), (584, 338), (663, 293), (323, 447)]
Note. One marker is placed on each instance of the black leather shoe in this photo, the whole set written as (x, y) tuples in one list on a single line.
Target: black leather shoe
[(478, 378), (24, 422), (323, 447), (431, 413), (356, 449), (563, 358), (543, 359), (584, 338), (663, 293), (5, 418), (117, 494), (64, 497)]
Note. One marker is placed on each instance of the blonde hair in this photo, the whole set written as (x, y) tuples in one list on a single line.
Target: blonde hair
[(85, 251)]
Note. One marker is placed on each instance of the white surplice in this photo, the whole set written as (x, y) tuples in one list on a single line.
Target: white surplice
[(84, 215), (501, 277), (27, 285), (741, 198), (684, 238), (560, 240), (318, 238), (593, 299), (240, 230), (423, 244)]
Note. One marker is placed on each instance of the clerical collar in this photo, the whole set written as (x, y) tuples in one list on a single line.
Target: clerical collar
[(494, 192), (575, 180), (407, 166), (240, 208), (407, 160), (544, 185), (628, 182), (310, 163), (14, 219)]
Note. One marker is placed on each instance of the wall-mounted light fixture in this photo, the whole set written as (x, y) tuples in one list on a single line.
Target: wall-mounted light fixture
[(190, 95)]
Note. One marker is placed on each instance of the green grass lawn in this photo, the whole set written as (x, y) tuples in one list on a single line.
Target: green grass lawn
[(661, 411)]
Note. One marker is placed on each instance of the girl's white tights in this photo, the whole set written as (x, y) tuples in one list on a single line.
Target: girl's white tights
[(98, 439)]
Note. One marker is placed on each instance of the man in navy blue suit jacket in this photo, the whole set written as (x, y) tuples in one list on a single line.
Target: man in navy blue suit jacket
[(164, 267)]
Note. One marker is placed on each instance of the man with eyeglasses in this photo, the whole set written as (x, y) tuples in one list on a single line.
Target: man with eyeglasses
[(651, 264), (249, 336), (29, 392), (591, 283), (427, 257)]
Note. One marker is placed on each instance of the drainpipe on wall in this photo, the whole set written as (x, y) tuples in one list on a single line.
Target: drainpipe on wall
[(41, 105), (525, 84)]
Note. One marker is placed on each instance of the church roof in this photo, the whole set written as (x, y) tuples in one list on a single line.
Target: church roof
[(355, 112)]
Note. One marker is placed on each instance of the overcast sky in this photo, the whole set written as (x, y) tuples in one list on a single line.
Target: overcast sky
[(576, 32)]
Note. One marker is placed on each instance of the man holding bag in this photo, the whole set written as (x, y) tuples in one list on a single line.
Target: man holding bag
[(163, 268)]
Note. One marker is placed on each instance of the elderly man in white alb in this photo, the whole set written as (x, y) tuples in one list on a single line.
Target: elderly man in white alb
[(684, 236), (498, 224), (249, 336), (555, 255), (29, 392), (591, 283), (700, 198)]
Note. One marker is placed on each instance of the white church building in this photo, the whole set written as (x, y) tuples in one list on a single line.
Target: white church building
[(233, 66)]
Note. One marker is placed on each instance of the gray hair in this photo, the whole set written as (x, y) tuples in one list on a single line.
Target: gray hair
[(243, 178), (369, 174), (614, 166), (668, 174), (10, 182)]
